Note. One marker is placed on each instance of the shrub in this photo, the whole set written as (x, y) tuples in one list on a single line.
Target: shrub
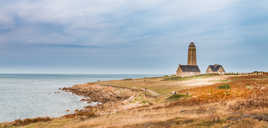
[(176, 97), (127, 79), (225, 86)]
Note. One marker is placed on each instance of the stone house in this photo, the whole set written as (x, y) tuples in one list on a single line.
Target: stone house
[(188, 70), (216, 68)]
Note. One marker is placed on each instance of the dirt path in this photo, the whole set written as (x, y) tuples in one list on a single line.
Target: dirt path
[(203, 81), (151, 92)]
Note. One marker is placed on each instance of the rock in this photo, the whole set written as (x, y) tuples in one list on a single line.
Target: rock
[(261, 117), (84, 99)]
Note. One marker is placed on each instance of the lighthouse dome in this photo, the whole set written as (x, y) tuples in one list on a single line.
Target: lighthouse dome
[(192, 44)]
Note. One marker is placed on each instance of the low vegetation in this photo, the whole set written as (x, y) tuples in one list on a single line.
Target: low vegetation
[(177, 97), (220, 101), (25, 122), (225, 86), (177, 78)]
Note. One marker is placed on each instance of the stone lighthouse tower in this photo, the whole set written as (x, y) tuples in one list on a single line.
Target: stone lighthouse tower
[(192, 54), (191, 68)]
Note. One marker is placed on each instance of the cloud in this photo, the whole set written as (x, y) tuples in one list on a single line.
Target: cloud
[(5, 19), (149, 32), (105, 21), (65, 46), (69, 11)]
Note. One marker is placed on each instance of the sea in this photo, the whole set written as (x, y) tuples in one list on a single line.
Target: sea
[(38, 95)]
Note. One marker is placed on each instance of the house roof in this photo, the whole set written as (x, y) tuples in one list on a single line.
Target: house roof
[(215, 67), (189, 68)]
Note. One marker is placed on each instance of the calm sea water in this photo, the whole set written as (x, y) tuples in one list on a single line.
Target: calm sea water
[(34, 95)]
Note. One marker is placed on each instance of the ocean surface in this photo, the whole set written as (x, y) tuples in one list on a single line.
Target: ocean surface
[(38, 95)]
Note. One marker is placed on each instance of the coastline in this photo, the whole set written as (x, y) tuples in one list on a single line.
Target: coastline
[(101, 95), (127, 104), (58, 103)]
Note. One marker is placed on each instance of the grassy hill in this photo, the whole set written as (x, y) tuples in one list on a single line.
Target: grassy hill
[(237, 101)]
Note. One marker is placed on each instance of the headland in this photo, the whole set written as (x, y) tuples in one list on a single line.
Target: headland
[(209, 100)]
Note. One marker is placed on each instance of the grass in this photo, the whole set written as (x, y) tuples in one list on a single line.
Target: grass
[(249, 87), (176, 97), (57, 123), (210, 123), (154, 84), (201, 109), (225, 86), (162, 85), (127, 79), (177, 78), (27, 121)]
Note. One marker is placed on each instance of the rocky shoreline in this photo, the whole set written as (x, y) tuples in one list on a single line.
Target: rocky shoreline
[(100, 93), (109, 99), (103, 95)]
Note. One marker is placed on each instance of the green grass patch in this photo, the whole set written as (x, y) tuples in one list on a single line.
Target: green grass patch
[(175, 78), (225, 86), (232, 73), (176, 97), (221, 81), (127, 79)]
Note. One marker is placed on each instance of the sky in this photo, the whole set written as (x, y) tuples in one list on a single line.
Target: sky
[(126, 36)]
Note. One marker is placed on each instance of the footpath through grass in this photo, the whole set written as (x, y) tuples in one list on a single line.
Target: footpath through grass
[(162, 85), (177, 78)]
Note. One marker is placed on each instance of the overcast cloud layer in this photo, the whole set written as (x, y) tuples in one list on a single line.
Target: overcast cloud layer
[(124, 36)]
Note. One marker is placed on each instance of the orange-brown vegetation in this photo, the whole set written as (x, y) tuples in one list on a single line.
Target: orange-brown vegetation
[(27, 121), (243, 87), (233, 101)]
